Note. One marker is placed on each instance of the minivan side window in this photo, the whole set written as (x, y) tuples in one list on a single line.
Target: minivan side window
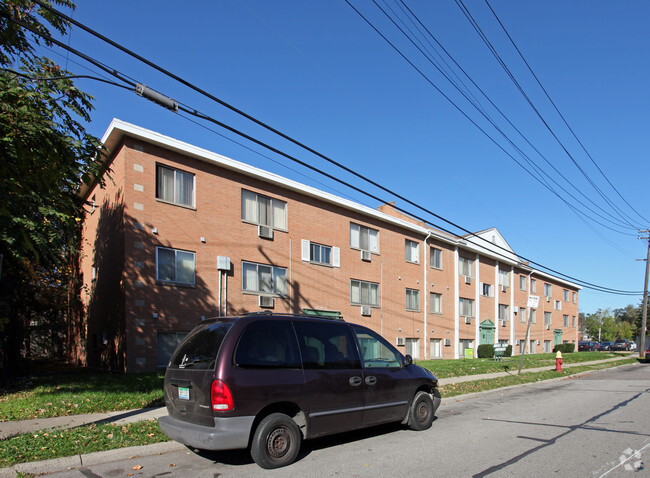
[(266, 344), (375, 351), (327, 346)]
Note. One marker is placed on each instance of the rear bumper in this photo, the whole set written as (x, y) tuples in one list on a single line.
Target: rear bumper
[(227, 433)]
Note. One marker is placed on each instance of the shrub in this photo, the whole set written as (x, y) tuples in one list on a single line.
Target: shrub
[(508, 352), (565, 348), (485, 351)]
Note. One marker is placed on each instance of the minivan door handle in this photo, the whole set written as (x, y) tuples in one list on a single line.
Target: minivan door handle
[(371, 380), (355, 381)]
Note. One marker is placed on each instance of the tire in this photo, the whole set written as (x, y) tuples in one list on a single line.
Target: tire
[(421, 412), (276, 441)]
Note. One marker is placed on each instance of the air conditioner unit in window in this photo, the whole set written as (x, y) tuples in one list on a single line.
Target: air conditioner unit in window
[(504, 323), (266, 301), (548, 299), (468, 320), (468, 280), (537, 342), (366, 256), (400, 341), (366, 310), (447, 342), (504, 288), (265, 231), (548, 327)]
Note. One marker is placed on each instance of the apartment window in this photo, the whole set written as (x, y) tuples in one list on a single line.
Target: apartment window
[(264, 279), (503, 312), (547, 290), (573, 321), (263, 210), (565, 320), (412, 251), (522, 314), (557, 305), (174, 186), (522, 282), (547, 318), (436, 303), (565, 295), (533, 316), (503, 278), (412, 299), (466, 307), (364, 238), (574, 297), (487, 290), (436, 258), (364, 293), (320, 254), (533, 286), (173, 265), (547, 347), (466, 267)]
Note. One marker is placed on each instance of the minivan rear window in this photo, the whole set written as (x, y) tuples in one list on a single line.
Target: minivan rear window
[(199, 349)]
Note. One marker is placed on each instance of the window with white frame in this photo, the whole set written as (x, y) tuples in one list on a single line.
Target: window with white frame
[(533, 286), (547, 318), (264, 279), (412, 253), (320, 254), (466, 267), (412, 299), (263, 210), (174, 186), (533, 316), (487, 290), (565, 320), (522, 314), (558, 305), (503, 278), (466, 307), (436, 258), (522, 282), (547, 290), (364, 238), (565, 295), (175, 266), (574, 297), (504, 312), (364, 293), (436, 303)]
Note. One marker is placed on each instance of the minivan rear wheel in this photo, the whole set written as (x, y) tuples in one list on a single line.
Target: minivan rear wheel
[(276, 441), (421, 413)]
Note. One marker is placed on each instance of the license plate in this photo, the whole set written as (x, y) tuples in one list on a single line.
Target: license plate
[(184, 393)]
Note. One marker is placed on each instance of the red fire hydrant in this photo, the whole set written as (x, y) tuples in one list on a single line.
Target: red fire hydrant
[(558, 361)]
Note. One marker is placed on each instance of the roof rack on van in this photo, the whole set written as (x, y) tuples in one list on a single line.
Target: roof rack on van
[(283, 314)]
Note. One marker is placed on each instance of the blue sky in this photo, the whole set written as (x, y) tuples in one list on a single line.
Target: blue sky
[(318, 72)]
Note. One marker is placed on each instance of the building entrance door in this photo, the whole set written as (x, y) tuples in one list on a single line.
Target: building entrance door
[(486, 331), (558, 336)]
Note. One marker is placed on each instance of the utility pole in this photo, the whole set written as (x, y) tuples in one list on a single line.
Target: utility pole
[(644, 311)]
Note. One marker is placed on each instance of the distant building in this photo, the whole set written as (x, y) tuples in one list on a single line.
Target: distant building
[(180, 234)]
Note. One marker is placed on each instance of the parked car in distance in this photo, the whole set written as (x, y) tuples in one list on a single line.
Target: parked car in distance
[(266, 382), (605, 346), (587, 346), (621, 345), (647, 351)]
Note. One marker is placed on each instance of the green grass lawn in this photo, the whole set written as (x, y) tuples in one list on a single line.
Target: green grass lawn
[(75, 392)]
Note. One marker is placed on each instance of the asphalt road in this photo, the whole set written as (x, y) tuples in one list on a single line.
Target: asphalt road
[(595, 425)]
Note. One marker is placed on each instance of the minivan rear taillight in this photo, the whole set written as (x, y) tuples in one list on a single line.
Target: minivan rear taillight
[(221, 397)]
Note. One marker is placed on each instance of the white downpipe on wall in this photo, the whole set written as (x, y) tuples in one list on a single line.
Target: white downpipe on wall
[(497, 293), (456, 303), (426, 296), (477, 300)]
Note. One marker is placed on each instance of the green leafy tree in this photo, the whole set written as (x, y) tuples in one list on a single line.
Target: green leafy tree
[(46, 155)]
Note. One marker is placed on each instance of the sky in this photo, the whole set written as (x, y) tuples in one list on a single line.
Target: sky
[(321, 74)]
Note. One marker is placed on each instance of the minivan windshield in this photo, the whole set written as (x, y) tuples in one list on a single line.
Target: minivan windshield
[(199, 349)]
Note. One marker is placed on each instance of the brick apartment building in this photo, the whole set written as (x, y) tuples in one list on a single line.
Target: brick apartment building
[(180, 234)]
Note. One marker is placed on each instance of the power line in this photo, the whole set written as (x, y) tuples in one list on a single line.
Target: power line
[(197, 114)]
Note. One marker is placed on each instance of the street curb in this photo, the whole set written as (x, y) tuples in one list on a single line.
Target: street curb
[(78, 461)]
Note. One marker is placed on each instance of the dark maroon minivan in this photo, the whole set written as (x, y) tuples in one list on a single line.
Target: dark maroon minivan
[(267, 381)]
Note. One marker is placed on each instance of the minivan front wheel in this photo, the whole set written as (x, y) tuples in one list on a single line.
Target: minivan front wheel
[(421, 413), (276, 441)]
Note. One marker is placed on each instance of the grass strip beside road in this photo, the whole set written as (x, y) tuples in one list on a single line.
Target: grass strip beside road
[(52, 443), (463, 388)]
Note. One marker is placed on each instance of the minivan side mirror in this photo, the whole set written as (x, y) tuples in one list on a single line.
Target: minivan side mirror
[(408, 360)]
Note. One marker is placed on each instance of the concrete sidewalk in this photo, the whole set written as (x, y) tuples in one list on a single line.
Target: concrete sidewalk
[(9, 429)]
